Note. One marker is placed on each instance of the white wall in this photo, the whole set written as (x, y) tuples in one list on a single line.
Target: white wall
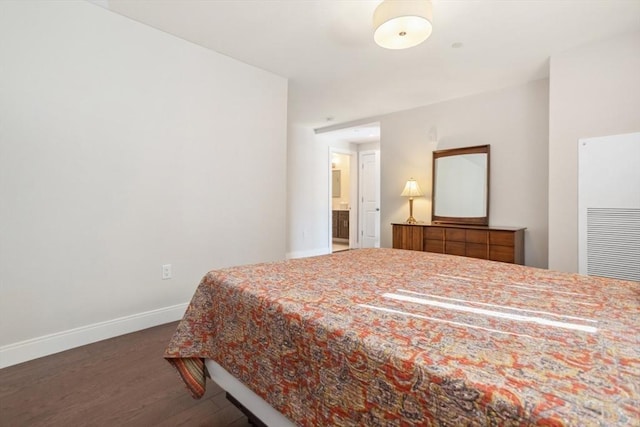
[(308, 194), (594, 91), (368, 146), (123, 148)]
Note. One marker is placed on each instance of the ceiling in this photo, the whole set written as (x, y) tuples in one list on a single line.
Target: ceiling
[(338, 74)]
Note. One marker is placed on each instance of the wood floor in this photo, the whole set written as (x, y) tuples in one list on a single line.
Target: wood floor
[(122, 381)]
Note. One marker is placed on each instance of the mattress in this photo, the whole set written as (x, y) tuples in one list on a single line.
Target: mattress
[(255, 404), (394, 337)]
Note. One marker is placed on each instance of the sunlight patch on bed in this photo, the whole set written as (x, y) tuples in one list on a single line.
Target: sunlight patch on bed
[(529, 288), (461, 324), (492, 313), (497, 306)]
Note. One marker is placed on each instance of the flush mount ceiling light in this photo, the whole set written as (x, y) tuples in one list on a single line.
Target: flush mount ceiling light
[(401, 24)]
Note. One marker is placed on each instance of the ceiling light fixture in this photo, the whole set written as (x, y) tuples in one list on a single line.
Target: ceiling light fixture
[(401, 24)]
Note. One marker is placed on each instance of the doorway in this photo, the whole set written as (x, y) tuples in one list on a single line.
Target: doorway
[(341, 199), (354, 186)]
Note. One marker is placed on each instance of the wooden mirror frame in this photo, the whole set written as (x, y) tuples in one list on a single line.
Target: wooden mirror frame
[(481, 220)]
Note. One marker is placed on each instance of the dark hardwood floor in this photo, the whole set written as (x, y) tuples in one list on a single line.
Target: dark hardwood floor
[(122, 381)]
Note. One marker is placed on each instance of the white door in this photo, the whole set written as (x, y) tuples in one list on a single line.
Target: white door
[(369, 199)]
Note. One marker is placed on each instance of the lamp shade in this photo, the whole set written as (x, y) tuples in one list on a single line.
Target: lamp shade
[(401, 24), (412, 189)]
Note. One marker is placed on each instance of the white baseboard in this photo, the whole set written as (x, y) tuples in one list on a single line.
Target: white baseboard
[(305, 254), (23, 351)]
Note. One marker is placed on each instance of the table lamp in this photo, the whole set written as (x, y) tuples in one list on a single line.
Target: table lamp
[(411, 190)]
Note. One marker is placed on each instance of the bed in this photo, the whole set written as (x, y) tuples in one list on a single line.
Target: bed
[(388, 337)]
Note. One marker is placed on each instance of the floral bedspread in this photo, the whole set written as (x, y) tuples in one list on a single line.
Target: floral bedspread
[(386, 337)]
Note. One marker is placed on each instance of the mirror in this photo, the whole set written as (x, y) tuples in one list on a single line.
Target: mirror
[(461, 186), (336, 184)]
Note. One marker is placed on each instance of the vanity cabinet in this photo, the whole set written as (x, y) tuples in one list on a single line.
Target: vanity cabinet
[(340, 224), (504, 244)]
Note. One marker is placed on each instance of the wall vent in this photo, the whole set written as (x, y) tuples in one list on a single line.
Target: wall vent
[(613, 243)]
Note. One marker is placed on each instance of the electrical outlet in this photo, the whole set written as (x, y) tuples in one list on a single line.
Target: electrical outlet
[(166, 271)]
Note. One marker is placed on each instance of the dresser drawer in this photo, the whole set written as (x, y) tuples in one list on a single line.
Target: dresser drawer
[(455, 248), (503, 238), (434, 246), (455, 235), (434, 233), (477, 250), (477, 236), (501, 253)]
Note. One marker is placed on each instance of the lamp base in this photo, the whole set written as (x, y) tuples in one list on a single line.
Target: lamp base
[(411, 219)]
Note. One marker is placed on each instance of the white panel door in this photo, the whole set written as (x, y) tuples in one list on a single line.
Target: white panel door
[(369, 199)]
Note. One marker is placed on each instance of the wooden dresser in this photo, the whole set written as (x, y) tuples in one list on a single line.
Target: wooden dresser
[(504, 244)]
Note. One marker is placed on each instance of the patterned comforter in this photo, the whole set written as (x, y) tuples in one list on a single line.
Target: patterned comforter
[(386, 337)]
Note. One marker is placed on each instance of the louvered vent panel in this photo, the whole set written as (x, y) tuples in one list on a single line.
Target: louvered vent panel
[(613, 243)]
